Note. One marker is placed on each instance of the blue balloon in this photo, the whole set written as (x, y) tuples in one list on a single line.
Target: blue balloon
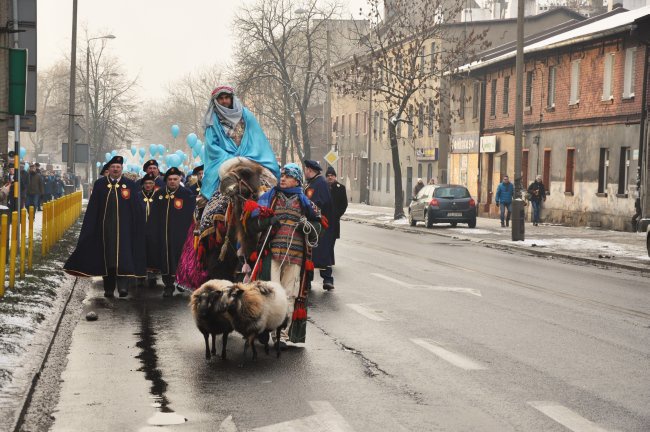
[(26, 166), (23, 152), (98, 164), (142, 152), (134, 151), (114, 152), (191, 140), (161, 149), (175, 130), (194, 152), (173, 160), (153, 148), (108, 156)]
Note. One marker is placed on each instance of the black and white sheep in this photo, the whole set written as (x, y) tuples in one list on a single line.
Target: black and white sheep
[(210, 315), (257, 308)]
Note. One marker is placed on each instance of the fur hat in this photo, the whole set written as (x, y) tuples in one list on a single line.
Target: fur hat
[(330, 171)]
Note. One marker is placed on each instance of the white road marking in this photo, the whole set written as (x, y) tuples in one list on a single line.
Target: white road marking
[(366, 312), (455, 359), (325, 419), (566, 417), (471, 291)]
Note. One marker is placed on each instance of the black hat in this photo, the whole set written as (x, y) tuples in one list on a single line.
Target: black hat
[(313, 165), (330, 171), (104, 169), (196, 170), (148, 163), (117, 159), (173, 171), (147, 177)]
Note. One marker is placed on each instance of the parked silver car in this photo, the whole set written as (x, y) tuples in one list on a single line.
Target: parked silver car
[(447, 203)]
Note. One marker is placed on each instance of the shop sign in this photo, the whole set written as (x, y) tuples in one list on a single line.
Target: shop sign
[(488, 144), (426, 154), (464, 143)]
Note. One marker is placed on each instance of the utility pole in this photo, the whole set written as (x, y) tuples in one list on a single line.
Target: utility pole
[(17, 192), (73, 85), (518, 220)]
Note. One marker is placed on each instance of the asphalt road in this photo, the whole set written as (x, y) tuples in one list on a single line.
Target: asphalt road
[(422, 333)]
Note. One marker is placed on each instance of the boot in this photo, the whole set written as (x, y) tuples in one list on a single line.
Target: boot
[(168, 291), (507, 222)]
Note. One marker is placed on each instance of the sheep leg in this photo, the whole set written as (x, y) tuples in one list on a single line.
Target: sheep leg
[(243, 360), (207, 345), (252, 343), (277, 341), (223, 345), (214, 344)]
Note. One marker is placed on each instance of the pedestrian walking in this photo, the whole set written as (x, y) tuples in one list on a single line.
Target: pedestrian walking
[(537, 194), (505, 193), (169, 220), (339, 206), (418, 187), (35, 188), (318, 191), (145, 195), (294, 223), (111, 242)]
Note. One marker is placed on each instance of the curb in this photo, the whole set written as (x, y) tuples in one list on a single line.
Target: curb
[(504, 246)]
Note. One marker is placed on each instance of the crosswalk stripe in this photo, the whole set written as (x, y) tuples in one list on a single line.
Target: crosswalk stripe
[(566, 417), (455, 359), (422, 287)]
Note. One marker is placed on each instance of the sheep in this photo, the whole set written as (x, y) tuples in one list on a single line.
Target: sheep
[(257, 308), (210, 314)]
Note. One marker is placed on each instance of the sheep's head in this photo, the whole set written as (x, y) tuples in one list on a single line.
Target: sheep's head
[(216, 303), (234, 298)]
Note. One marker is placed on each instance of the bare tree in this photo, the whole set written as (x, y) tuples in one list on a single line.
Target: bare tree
[(184, 104), (285, 41), (392, 66)]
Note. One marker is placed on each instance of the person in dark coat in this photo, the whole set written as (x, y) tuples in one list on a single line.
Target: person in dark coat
[(145, 195), (318, 191), (537, 193), (339, 205), (151, 167), (111, 242), (196, 187), (170, 218)]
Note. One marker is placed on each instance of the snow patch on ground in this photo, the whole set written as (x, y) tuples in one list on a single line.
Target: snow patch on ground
[(576, 244), (472, 231)]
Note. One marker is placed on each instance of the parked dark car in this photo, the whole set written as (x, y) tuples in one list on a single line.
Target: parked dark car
[(447, 203)]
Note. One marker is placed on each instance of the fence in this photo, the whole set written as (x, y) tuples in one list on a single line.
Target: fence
[(57, 217)]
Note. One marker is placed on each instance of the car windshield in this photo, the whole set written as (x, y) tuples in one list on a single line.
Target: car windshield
[(451, 192)]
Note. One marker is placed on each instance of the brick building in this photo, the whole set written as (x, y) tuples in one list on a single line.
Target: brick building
[(583, 98)]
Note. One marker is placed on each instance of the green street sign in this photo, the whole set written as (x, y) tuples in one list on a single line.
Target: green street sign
[(17, 81)]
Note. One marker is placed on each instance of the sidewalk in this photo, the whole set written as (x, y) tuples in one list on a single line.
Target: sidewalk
[(601, 247)]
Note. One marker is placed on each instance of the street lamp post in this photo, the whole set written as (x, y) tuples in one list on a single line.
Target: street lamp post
[(73, 85), (87, 98)]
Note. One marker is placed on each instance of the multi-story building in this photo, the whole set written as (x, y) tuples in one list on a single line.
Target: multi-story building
[(585, 99)]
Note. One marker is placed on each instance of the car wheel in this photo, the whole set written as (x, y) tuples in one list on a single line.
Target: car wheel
[(412, 221), (454, 224), (472, 223), (427, 220)]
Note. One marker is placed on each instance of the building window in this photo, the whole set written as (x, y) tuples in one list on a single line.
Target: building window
[(624, 171), (356, 124), (475, 99), (420, 120), (524, 168), (342, 129), (430, 117), (410, 122), (546, 170), (551, 87), (608, 76), (350, 125), (419, 170), (528, 101), (387, 177), (422, 62), (365, 122), (335, 126), (355, 167), (574, 96), (493, 99), (429, 172), (432, 66), (506, 94), (628, 74), (570, 170), (398, 129), (375, 125), (603, 167), (379, 177), (461, 108), (381, 125), (374, 175)]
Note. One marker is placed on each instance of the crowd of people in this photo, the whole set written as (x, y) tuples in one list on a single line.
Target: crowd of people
[(37, 186), (137, 229)]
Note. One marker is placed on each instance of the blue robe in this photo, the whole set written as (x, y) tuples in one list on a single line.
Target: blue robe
[(219, 147), (318, 191), (119, 204)]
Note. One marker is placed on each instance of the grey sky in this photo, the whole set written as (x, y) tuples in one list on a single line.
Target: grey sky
[(158, 40)]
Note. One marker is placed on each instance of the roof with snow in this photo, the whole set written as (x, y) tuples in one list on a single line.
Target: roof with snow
[(616, 22)]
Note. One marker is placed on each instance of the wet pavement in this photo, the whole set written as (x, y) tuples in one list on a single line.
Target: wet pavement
[(591, 245)]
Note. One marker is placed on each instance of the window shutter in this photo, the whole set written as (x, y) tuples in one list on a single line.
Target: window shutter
[(628, 75), (607, 76), (575, 82)]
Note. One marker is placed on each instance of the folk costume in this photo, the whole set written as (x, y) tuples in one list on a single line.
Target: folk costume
[(111, 242), (159, 180), (196, 187), (292, 223), (169, 221), (339, 206), (146, 198), (318, 191)]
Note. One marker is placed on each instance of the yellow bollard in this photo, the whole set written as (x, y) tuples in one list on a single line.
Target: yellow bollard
[(3, 252), (43, 231), (30, 257), (23, 240), (12, 249)]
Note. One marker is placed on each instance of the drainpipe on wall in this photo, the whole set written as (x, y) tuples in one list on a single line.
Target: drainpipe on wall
[(642, 165)]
